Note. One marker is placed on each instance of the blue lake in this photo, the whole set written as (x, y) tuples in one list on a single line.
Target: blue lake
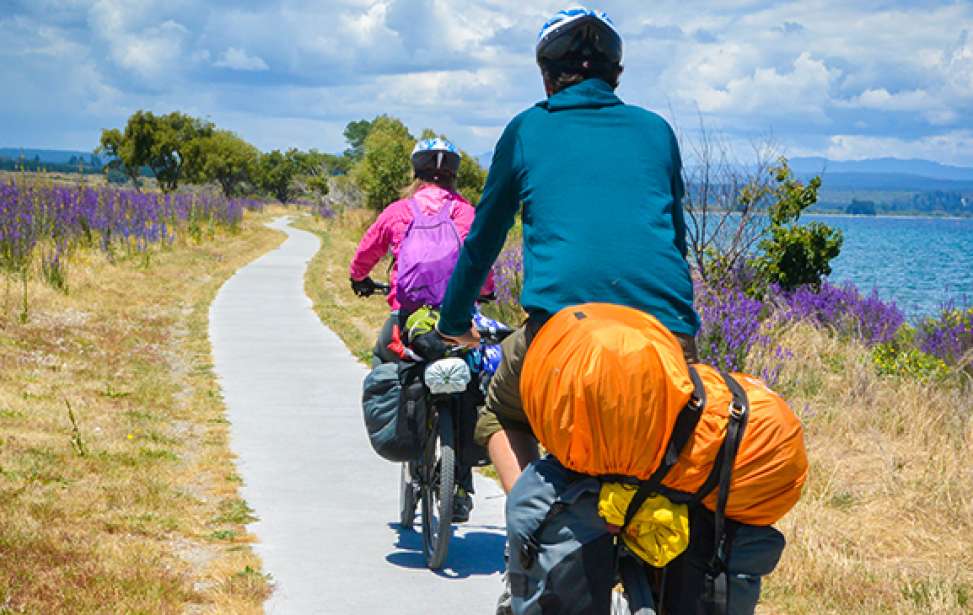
[(917, 262)]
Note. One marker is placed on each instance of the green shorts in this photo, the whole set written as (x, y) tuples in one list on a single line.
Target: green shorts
[(504, 409)]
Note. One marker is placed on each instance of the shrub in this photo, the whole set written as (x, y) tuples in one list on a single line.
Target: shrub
[(731, 325), (949, 337), (508, 277), (844, 309), (795, 254), (891, 360)]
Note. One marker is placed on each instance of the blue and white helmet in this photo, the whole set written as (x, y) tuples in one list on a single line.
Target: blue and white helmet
[(435, 157), (579, 32)]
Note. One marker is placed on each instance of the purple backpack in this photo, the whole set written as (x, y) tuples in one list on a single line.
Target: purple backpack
[(427, 257)]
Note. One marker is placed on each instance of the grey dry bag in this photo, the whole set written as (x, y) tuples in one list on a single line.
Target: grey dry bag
[(392, 412)]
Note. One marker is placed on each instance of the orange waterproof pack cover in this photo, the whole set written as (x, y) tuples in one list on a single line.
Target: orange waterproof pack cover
[(602, 386)]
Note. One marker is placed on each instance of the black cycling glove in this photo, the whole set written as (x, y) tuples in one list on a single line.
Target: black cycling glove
[(430, 346), (363, 288)]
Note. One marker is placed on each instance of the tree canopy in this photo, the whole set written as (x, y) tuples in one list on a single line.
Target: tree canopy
[(176, 147), (159, 142), (385, 167), (221, 157)]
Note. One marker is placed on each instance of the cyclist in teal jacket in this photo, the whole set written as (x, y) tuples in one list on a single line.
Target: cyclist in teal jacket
[(599, 183)]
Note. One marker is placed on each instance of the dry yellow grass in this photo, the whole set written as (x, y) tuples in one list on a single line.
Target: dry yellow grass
[(132, 505), (885, 524)]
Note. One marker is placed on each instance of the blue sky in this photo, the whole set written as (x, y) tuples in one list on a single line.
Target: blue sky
[(819, 77)]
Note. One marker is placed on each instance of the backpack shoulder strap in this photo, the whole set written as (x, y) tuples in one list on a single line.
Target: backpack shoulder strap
[(415, 209)]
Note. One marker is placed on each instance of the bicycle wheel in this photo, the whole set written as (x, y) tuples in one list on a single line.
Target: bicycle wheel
[(636, 597), (619, 605), (438, 487), (408, 496)]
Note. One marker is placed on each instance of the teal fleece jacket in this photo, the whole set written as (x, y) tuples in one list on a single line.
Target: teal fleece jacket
[(600, 185)]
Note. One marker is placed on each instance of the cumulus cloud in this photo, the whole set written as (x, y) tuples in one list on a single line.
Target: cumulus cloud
[(145, 49), (824, 77), (952, 147), (237, 59), (802, 90)]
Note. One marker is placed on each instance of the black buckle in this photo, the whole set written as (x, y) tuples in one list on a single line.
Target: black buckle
[(735, 411)]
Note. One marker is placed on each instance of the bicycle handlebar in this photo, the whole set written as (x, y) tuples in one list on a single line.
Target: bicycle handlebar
[(378, 289)]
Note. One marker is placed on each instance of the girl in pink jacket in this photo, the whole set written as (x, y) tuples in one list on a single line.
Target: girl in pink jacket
[(435, 162)]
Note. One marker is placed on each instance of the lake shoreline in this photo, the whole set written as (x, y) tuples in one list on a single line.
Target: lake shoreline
[(897, 216)]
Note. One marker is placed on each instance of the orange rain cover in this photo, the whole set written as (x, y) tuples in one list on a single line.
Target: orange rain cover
[(602, 386)]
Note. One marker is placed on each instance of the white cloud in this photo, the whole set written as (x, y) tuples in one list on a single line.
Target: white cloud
[(958, 67), (882, 100), (867, 74), (801, 92), (151, 52), (933, 109), (953, 147), (238, 59)]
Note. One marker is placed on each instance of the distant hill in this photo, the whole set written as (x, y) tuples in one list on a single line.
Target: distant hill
[(890, 186), (889, 182), (55, 156)]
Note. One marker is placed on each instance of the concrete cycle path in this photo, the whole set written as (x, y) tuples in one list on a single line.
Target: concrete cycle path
[(327, 505)]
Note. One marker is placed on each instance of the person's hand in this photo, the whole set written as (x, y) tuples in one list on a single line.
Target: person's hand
[(363, 288), (470, 339)]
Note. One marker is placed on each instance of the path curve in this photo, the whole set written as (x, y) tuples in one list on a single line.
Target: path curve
[(326, 504)]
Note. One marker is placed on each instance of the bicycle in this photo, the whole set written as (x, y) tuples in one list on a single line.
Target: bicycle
[(431, 479), (428, 483)]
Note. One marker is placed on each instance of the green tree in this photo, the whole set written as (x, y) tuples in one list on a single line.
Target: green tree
[(355, 134), (315, 169), (385, 167), (114, 144), (158, 142), (221, 157), (470, 178), (795, 254), (277, 172)]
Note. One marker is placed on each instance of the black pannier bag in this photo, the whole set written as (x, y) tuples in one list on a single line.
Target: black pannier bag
[(470, 453), (393, 407)]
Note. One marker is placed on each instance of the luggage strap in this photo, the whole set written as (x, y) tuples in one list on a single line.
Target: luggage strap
[(716, 586), (685, 425), (682, 431)]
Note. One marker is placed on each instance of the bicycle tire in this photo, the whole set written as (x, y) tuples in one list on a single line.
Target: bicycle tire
[(619, 604), (438, 488), (408, 497), (636, 599)]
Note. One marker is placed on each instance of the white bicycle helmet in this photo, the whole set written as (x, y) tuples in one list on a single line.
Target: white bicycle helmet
[(432, 157), (579, 34)]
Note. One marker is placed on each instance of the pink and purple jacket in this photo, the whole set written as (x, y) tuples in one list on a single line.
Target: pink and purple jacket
[(389, 229)]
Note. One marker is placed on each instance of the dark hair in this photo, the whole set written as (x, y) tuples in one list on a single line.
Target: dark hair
[(574, 70), (440, 177)]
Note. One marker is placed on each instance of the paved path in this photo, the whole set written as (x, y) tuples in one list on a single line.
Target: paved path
[(327, 505)]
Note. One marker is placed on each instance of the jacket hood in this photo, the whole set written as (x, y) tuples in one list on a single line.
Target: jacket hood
[(431, 198), (590, 93)]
